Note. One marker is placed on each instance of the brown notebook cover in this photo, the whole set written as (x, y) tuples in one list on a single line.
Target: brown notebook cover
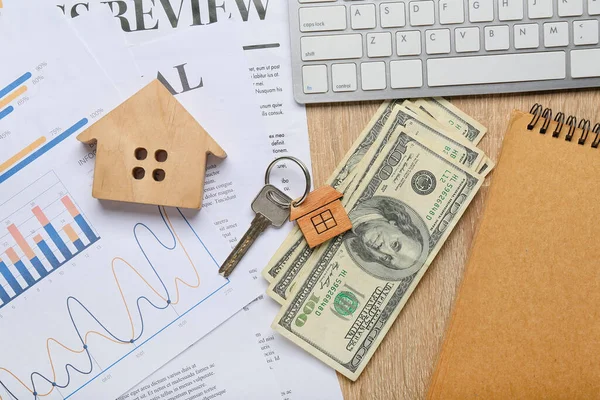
[(526, 323)]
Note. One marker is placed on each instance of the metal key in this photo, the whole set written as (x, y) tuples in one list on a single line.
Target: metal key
[(270, 210)]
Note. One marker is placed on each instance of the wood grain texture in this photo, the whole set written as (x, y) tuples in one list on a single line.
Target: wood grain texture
[(151, 150), (315, 199), (402, 366)]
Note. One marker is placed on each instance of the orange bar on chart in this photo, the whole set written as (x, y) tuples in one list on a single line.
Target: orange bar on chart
[(14, 94), (68, 203), (38, 238), (71, 233), (13, 160), (12, 255), (39, 214), (16, 234)]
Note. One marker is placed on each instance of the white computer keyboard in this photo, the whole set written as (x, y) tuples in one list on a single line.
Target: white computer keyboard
[(346, 50)]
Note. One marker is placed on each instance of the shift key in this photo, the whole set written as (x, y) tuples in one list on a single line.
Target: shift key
[(331, 47)]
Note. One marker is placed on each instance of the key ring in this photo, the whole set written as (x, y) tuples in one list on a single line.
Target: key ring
[(295, 203)]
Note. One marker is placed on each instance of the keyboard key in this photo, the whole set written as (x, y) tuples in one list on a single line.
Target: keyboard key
[(585, 32), (584, 63), (594, 7), (452, 12), (363, 16), (437, 41), (556, 34), (510, 10), (502, 68), (373, 75), (408, 43), (481, 10), (570, 8), (497, 37), (392, 15), (314, 79), (466, 39), (336, 47), (527, 36), (379, 44), (343, 77), (315, 1), (315, 19), (406, 74), (421, 13), (540, 8)]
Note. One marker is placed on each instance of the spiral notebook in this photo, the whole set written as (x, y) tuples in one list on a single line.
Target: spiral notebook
[(526, 323)]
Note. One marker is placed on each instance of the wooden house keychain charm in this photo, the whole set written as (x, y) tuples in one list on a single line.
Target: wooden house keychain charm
[(151, 150), (321, 216)]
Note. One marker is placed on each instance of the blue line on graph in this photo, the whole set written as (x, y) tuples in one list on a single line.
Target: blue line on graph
[(14, 85), (58, 265), (6, 111), (16, 287), (48, 254), (39, 152), (37, 264), (140, 299), (24, 272)]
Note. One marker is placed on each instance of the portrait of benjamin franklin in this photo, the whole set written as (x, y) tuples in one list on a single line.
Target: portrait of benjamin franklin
[(389, 240)]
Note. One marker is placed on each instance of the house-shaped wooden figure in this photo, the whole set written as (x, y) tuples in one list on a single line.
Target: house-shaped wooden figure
[(321, 216), (151, 150)]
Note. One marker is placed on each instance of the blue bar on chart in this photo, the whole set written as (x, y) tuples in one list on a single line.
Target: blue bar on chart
[(4, 296), (23, 271), (24, 246), (83, 225), (19, 81), (12, 281), (73, 237), (43, 246), (6, 111), (43, 150), (54, 236)]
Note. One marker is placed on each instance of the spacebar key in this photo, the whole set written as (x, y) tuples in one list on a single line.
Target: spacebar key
[(502, 68), (331, 47)]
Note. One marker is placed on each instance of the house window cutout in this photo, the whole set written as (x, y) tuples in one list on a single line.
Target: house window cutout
[(161, 155), (159, 175), (141, 153), (324, 221), (138, 173)]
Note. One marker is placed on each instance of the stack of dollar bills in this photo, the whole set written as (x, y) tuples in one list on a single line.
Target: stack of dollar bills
[(406, 181)]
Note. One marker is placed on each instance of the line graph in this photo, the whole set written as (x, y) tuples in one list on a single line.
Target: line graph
[(40, 385)]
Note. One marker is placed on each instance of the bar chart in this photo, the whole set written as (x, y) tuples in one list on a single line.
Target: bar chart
[(44, 231), (21, 92), (11, 92)]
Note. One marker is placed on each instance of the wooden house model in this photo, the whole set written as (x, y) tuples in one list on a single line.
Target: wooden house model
[(321, 216), (151, 150)]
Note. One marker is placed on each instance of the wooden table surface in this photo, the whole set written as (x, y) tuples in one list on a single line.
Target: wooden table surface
[(402, 366)]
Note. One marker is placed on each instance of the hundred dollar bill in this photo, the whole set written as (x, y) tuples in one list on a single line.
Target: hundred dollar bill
[(339, 180), (400, 119), (358, 282), (450, 115), (486, 167)]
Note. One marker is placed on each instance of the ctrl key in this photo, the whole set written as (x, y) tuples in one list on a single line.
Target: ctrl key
[(314, 79), (343, 77)]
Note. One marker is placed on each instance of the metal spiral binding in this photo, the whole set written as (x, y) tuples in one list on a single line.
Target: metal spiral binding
[(539, 112)]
